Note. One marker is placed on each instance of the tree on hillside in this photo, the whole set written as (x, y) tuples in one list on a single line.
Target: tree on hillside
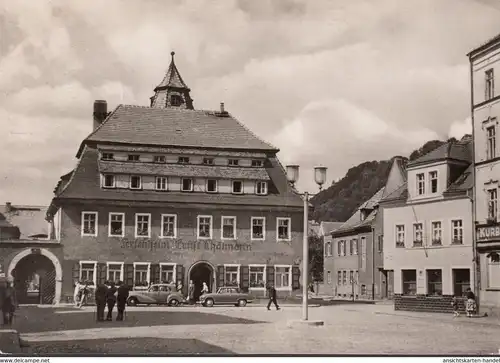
[(315, 258)]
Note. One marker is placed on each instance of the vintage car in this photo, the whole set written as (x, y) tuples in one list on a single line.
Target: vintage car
[(161, 294), (226, 296)]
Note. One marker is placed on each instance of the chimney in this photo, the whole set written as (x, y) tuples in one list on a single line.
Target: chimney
[(222, 107), (8, 207), (100, 112)]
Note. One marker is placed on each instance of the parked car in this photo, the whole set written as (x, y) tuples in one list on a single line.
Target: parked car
[(226, 296), (161, 294)]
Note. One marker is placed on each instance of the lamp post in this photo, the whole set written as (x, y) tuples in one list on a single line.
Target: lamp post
[(292, 172)]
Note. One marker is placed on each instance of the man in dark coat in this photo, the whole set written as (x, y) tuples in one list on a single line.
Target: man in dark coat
[(121, 300), (8, 302), (272, 297), (100, 300), (111, 300)]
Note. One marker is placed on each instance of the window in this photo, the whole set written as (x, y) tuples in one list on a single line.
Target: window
[(261, 188), (107, 156), (167, 273), (328, 277), (436, 233), (489, 84), (328, 249), (493, 270), (175, 100), (400, 235), (233, 162), (115, 271), (116, 225), (109, 181), (282, 277), (457, 231), (133, 157), (409, 278), (142, 225), (89, 223), (434, 282), (418, 234), (420, 184), (88, 272), (211, 185), (355, 246), (351, 277), (208, 161), (141, 274), (257, 276), (283, 232), (258, 228), (160, 159), (135, 182), (461, 281), (232, 275), (344, 248), (351, 247), (492, 204), (237, 187), (169, 225), (183, 160), (187, 185), (257, 163), (339, 248), (228, 227), (205, 227), (491, 142), (339, 277), (344, 277), (363, 289), (356, 278), (161, 183), (433, 181), (380, 243)]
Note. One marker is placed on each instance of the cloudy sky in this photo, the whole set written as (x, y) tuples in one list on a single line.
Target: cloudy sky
[(330, 82)]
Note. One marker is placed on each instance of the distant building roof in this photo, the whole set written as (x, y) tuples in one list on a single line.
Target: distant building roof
[(458, 151), (29, 220), (329, 227)]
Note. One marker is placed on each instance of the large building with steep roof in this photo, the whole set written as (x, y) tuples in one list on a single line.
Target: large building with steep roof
[(168, 193)]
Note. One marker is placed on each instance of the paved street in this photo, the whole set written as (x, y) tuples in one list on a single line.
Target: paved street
[(348, 329)]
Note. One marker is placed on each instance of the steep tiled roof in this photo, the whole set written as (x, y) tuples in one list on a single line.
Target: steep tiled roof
[(462, 184), (175, 127), (85, 184), (188, 171), (172, 78), (459, 151), (399, 193), (30, 220)]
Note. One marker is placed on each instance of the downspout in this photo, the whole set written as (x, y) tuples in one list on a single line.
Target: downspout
[(373, 262)]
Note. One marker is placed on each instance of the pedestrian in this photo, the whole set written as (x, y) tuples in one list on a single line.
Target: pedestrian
[(83, 294), (100, 300), (111, 300), (272, 297), (9, 302), (454, 304), (204, 289), (121, 299), (471, 303), (191, 292), (179, 287), (76, 293)]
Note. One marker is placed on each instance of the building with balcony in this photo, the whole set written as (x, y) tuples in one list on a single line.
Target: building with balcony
[(168, 193), (427, 229), (484, 66)]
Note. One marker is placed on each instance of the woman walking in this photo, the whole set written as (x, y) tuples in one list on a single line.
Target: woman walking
[(471, 303), (9, 303)]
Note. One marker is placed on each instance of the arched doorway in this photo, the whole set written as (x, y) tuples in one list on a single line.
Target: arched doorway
[(37, 276), (199, 273)]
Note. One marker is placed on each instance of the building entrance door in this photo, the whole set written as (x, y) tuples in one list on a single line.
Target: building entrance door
[(35, 280), (201, 272)]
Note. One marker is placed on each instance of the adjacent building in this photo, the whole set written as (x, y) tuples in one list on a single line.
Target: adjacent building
[(428, 232), (325, 232), (485, 106)]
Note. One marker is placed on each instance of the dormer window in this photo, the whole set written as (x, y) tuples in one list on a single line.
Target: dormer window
[(233, 162), (237, 187), (211, 186), (133, 157), (257, 163), (261, 188), (135, 182), (187, 185), (421, 184), (109, 181), (183, 160), (160, 159), (175, 100), (433, 181), (208, 161), (107, 156)]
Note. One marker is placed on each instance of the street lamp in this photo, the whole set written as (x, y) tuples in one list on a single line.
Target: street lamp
[(292, 172)]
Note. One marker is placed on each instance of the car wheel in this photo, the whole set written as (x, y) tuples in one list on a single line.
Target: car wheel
[(242, 302), (132, 301), (174, 302), (209, 303)]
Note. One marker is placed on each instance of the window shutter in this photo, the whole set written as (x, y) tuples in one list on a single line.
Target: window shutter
[(245, 278), (270, 275), (76, 272), (179, 271), (129, 275), (295, 278), (155, 273), (220, 276), (101, 271)]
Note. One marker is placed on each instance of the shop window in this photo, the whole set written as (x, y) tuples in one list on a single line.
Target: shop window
[(409, 279)]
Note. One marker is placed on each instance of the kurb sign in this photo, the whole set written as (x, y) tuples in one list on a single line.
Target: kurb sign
[(488, 233), (185, 245)]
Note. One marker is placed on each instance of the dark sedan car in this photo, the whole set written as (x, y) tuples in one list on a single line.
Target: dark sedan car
[(226, 296)]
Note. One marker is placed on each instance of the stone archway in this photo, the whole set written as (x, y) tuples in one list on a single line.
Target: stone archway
[(199, 272), (44, 263)]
